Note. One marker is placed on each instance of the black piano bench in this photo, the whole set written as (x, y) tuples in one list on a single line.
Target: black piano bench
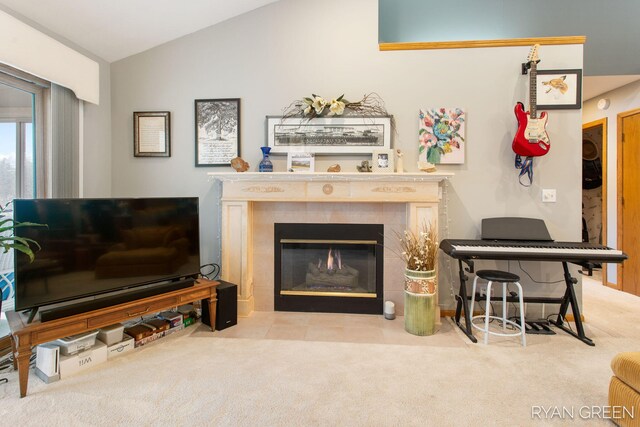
[(505, 278)]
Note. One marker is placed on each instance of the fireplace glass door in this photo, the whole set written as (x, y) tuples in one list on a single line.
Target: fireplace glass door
[(328, 267)]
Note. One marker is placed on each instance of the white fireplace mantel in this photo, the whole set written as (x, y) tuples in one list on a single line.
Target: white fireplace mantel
[(420, 192), (333, 176)]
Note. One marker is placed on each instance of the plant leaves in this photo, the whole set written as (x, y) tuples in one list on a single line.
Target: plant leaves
[(4, 221), (26, 250), (29, 224)]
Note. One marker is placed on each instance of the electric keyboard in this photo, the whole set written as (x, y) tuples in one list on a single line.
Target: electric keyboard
[(576, 252), (526, 239)]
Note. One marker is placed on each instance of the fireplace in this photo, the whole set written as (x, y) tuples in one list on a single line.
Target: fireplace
[(335, 268)]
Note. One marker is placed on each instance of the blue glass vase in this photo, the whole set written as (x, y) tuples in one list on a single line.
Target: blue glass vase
[(265, 164)]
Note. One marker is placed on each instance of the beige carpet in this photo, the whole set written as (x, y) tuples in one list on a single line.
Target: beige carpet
[(196, 377)]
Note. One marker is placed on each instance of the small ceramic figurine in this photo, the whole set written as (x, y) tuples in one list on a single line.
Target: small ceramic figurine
[(334, 168), (239, 164), (364, 166), (399, 161)]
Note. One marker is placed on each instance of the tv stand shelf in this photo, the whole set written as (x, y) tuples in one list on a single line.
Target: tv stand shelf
[(25, 336)]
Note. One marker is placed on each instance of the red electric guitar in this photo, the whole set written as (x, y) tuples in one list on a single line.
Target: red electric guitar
[(531, 139)]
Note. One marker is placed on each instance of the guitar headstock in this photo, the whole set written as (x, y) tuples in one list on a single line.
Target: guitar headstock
[(533, 54)]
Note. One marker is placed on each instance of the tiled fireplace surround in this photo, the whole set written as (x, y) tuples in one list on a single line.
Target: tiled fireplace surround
[(253, 202)]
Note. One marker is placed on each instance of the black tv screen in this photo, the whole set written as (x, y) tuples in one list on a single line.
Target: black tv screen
[(95, 246)]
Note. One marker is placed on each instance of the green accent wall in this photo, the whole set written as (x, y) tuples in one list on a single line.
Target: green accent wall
[(611, 26)]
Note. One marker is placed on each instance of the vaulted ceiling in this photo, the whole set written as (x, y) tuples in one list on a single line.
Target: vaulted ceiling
[(115, 29)]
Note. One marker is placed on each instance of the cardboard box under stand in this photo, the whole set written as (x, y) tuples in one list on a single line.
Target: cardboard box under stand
[(84, 360), (120, 348)]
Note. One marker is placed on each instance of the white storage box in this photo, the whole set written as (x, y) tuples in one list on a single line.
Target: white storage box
[(75, 343), (111, 334), (79, 362), (120, 348)]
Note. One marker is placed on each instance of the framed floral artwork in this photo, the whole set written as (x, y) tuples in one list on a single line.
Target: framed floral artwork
[(441, 135)]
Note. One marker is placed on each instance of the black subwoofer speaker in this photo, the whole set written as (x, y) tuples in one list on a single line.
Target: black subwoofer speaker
[(226, 308)]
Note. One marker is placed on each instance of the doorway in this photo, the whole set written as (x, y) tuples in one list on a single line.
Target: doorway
[(594, 187), (629, 199)]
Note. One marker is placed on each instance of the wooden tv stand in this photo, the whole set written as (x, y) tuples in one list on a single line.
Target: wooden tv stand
[(26, 335)]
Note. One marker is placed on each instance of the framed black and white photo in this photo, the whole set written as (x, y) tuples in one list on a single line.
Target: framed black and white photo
[(559, 89), (217, 131), (300, 162), (382, 161), (151, 134), (328, 135)]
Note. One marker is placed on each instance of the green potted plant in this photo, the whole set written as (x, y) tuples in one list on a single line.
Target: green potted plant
[(8, 240), (420, 252)]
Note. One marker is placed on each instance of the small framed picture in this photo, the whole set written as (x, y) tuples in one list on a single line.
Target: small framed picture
[(151, 134), (383, 161), (300, 162), (559, 89)]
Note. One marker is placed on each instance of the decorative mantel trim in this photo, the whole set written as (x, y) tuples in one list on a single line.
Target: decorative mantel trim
[(328, 187), (263, 189), (391, 189), (261, 177)]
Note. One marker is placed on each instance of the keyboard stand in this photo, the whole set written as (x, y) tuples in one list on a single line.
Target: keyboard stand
[(568, 299), (462, 301)]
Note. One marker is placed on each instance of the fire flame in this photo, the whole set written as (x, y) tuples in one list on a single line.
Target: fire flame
[(334, 259)]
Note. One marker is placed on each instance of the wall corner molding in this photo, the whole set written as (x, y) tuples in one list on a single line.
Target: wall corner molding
[(463, 44)]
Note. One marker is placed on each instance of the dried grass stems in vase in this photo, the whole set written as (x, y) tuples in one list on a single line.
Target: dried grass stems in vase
[(420, 254), (420, 250)]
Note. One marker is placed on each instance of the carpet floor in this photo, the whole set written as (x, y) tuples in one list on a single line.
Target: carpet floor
[(385, 379)]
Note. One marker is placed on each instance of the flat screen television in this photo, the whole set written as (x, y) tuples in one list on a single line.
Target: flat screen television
[(98, 246)]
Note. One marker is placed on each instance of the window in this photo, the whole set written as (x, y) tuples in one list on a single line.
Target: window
[(22, 152), (23, 105), (17, 166)]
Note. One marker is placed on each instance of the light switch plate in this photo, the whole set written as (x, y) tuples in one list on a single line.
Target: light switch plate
[(549, 195)]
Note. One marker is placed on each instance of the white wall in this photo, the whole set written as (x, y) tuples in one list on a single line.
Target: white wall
[(290, 49), (96, 170), (622, 99)]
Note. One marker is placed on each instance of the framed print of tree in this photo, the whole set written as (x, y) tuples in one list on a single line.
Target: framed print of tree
[(217, 131)]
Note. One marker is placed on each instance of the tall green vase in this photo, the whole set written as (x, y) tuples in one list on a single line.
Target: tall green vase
[(420, 302)]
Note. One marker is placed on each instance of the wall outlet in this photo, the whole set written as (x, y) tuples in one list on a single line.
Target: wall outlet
[(483, 290), (549, 195)]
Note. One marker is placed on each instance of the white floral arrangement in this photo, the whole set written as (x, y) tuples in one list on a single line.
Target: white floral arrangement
[(317, 106)]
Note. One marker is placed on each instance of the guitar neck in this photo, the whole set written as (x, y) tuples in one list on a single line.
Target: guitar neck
[(533, 73)]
